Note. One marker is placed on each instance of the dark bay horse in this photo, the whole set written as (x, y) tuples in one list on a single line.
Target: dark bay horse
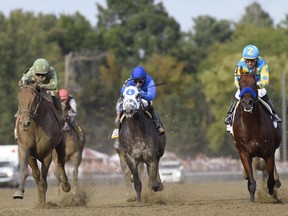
[(74, 148), (140, 141), (39, 132), (255, 134)]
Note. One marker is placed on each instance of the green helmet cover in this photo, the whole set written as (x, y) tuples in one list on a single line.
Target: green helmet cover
[(41, 66)]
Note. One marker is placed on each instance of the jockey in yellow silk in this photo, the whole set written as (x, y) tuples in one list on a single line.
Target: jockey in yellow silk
[(252, 61)]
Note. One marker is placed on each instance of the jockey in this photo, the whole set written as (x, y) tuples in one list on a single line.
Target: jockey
[(71, 107), (249, 61), (139, 78), (46, 75)]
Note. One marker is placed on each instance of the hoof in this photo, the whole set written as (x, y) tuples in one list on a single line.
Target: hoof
[(66, 187), (278, 184), (18, 195), (158, 187)]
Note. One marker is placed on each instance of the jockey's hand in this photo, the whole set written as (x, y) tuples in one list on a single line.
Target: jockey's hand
[(141, 93)]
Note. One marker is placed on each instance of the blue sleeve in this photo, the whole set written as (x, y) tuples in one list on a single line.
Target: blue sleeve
[(149, 89)]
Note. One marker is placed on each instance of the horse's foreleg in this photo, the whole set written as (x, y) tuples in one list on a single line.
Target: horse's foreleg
[(247, 164), (154, 177), (134, 171), (60, 150), (23, 160), (270, 164), (42, 185)]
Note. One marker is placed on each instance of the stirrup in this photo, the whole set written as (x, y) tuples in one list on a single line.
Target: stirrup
[(65, 128), (115, 133), (228, 119)]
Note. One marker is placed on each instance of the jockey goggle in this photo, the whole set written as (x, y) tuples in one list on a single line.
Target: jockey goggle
[(140, 81), (40, 77), (250, 61)]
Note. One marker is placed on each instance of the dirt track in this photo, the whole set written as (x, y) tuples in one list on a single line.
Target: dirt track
[(213, 198)]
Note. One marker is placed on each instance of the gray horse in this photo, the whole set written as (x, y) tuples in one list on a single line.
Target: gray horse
[(140, 141), (39, 133)]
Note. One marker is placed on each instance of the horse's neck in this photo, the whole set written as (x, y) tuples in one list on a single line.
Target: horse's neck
[(137, 122), (251, 118)]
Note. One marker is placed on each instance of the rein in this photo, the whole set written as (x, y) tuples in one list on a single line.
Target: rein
[(38, 101)]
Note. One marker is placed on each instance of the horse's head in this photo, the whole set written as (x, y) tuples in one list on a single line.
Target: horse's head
[(248, 90), (28, 102), (131, 101)]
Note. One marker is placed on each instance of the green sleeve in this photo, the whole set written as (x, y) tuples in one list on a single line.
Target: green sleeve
[(51, 83)]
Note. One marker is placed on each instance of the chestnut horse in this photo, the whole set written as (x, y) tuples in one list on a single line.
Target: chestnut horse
[(140, 141), (255, 134), (39, 132)]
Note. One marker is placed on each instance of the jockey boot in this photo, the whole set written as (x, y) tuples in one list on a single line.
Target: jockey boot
[(156, 120), (228, 119), (116, 143), (115, 133), (58, 104), (268, 101), (79, 130)]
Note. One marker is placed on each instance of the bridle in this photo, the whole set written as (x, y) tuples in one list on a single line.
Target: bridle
[(32, 113)]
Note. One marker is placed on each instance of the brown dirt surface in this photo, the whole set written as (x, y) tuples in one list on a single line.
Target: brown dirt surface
[(197, 198)]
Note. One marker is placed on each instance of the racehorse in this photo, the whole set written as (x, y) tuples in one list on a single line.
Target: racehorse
[(74, 148), (255, 134), (140, 141), (39, 132)]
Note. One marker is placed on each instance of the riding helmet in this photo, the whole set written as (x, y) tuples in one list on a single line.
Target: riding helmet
[(41, 66), (138, 73), (64, 94), (250, 52)]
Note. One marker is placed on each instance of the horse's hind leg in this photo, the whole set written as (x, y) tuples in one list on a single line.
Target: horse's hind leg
[(247, 164), (23, 160), (270, 169), (60, 150), (276, 177), (76, 158)]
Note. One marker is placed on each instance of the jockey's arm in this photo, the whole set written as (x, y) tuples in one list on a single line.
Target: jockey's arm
[(51, 82), (236, 76), (150, 91), (27, 75), (264, 77)]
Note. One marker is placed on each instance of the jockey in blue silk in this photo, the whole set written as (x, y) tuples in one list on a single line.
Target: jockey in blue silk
[(146, 85), (250, 61)]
